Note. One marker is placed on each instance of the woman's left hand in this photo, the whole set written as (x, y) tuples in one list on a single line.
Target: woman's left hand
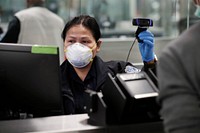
[(146, 46)]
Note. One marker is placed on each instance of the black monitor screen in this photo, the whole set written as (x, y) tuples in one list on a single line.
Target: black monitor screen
[(29, 80)]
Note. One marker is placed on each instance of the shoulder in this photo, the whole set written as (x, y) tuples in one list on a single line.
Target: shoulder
[(185, 44), (65, 67), (52, 14), (20, 13), (115, 64), (24, 14)]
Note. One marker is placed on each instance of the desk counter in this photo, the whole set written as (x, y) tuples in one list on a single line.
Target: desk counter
[(73, 124)]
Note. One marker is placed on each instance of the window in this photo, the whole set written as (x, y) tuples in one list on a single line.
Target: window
[(170, 17)]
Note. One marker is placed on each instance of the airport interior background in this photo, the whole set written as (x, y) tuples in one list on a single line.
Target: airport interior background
[(170, 19)]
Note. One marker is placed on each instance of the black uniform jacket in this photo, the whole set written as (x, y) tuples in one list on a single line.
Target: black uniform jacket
[(73, 88)]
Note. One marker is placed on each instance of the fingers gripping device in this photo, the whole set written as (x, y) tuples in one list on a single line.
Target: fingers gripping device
[(143, 24)]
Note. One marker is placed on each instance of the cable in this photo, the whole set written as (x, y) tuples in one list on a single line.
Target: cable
[(130, 50)]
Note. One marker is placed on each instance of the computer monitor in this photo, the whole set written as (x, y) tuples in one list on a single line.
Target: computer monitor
[(29, 81)]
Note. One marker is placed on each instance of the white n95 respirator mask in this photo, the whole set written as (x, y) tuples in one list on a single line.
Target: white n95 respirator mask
[(79, 55)]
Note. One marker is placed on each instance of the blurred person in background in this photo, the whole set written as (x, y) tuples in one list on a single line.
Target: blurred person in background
[(36, 25), (179, 81)]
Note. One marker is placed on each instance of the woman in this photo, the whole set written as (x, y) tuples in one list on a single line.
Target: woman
[(83, 69)]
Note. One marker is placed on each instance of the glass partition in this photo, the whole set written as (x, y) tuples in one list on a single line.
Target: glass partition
[(170, 17)]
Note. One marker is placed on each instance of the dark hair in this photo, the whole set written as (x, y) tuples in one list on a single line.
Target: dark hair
[(88, 22)]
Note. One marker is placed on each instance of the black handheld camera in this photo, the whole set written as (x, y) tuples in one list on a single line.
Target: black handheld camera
[(143, 24)]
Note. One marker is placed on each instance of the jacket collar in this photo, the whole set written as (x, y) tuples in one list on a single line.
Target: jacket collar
[(99, 65)]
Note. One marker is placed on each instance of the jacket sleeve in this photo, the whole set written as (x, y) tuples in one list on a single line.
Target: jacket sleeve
[(119, 67), (11, 36), (68, 102)]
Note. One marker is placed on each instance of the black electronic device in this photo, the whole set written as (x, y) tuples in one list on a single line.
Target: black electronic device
[(29, 81), (143, 24), (126, 98)]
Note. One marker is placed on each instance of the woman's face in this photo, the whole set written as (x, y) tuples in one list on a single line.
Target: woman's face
[(80, 34)]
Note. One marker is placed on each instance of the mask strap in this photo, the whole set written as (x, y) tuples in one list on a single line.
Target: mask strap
[(92, 52), (93, 48)]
